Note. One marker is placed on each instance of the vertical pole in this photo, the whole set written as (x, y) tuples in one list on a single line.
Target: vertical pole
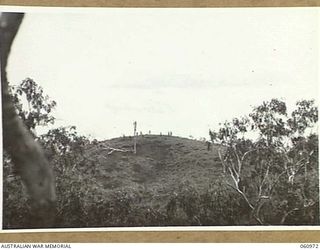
[(134, 137)]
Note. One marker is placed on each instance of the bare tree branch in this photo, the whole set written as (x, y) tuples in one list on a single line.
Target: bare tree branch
[(283, 219), (252, 207), (222, 161), (263, 180), (111, 150)]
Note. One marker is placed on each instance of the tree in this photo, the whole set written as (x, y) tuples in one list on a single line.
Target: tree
[(275, 173), (66, 144), (39, 106), (26, 154)]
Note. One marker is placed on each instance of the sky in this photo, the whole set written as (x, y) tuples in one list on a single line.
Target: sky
[(179, 70)]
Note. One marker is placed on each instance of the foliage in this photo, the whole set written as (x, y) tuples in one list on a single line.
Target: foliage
[(63, 146), (39, 106), (214, 206), (77, 207), (276, 174)]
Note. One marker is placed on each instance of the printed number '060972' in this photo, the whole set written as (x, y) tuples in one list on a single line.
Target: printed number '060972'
[(308, 246)]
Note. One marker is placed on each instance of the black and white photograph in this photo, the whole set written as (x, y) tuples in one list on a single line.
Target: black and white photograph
[(159, 117)]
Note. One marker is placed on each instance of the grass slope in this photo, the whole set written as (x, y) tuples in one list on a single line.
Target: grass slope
[(161, 165)]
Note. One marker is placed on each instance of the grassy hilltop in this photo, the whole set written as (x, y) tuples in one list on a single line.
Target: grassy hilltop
[(160, 165)]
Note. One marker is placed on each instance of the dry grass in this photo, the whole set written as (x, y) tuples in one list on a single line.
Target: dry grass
[(161, 165)]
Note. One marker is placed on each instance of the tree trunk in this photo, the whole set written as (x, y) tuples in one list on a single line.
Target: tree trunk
[(26, 154)]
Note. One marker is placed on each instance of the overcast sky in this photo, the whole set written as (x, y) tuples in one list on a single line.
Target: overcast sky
[(179, 70)]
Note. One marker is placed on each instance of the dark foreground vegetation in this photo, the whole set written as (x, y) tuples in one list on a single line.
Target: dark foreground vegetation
[(261, 169)]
